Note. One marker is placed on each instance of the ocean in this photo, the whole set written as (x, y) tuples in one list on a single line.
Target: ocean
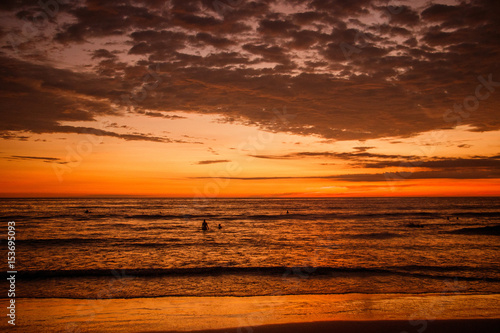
[(143, 248)]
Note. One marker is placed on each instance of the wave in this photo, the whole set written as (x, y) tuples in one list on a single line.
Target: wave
[(377, 235), (59, 241), (79, 216), (300, 216), (106, 242), (489, 230), (477, 214), (14, 217), (415, 271)]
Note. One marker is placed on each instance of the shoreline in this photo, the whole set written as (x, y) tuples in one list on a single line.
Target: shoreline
[(372, 326), (246, 314), (369, 326), (347, 294)]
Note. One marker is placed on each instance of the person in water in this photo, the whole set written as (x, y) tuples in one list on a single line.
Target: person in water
[(204, 225), (220, 227)]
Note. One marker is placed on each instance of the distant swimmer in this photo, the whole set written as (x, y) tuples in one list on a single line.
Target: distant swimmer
[(220, 227), (87, 211), (204, 225), (287, 212)]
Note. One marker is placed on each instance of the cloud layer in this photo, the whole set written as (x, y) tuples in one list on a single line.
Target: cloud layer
[(346, 70)]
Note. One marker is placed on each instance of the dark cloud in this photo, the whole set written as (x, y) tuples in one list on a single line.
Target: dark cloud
[(276, 27), (99, 132), (440, 12), (363, 148), (115, 125), (440, 168), (268, 53), (102, 53), (214, 41), (386, 177), (470, 13), (56, 96), (161, 44), (342, 8), (477, 167), (34, 158), (345, 156), (212, 162), (395, 177), (6, 135), (439, 164), (402, 15), (339, 75), (304, 39), (308, 17), (159, 115), (104, 19)]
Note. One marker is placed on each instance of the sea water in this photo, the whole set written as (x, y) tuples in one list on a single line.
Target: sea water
[(137, 248)]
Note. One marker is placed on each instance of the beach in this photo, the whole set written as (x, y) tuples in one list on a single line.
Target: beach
[(136, 265), (250, 166), (438, 326), (293, 313)]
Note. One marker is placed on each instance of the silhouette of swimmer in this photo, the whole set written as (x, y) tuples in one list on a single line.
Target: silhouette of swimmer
[(287, 212), (87, 211), (204, 225), (220, 227)]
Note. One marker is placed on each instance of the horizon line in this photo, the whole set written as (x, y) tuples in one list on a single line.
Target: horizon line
[(242, 197)]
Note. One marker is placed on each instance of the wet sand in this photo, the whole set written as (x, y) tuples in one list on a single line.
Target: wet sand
[(311, 313), (380, 326)]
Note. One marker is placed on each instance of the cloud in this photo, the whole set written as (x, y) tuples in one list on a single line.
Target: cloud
[(391, 176), (105, 19), (268, 53), (102, 53), (342, 76), (207, 38), (7, 135), (361, 153), (440, 164), (160, 115), (37, 99), (276, 27), (362, 149), (35, 158), (475, 167), (363, 159), (381, 177), (440, 12), (212, 162), (402, 15)]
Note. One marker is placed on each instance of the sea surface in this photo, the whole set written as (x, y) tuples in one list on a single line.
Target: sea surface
[(137, 248)]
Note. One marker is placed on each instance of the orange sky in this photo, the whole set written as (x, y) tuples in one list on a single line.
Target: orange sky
[(233, 165)]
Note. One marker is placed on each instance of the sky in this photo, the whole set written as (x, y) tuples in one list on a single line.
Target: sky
[(240, 98)]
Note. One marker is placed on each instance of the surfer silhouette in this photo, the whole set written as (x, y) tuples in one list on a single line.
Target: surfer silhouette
[(220, 227), (204, 225)]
